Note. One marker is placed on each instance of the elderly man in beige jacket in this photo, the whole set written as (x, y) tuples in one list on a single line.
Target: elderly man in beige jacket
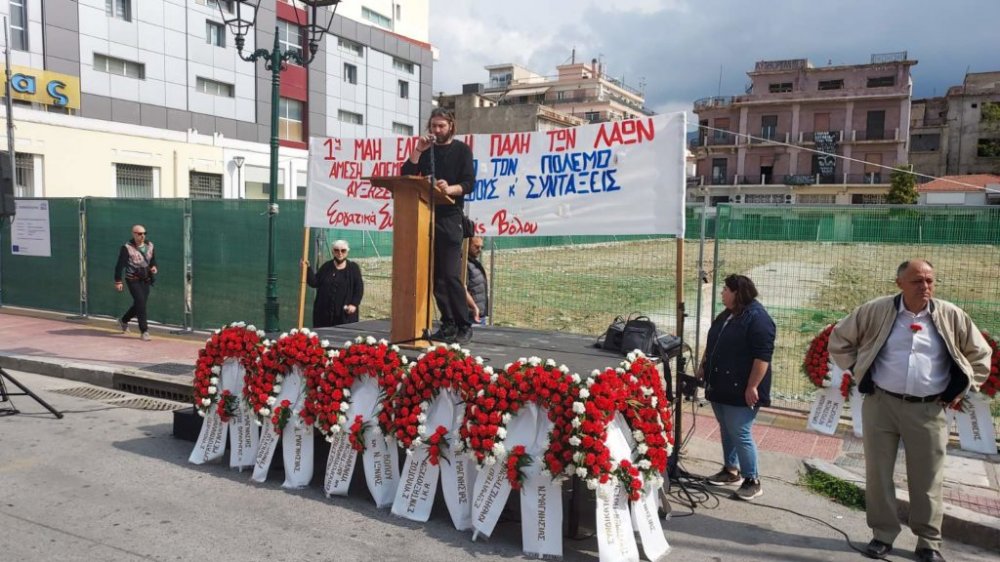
[(912, 355)]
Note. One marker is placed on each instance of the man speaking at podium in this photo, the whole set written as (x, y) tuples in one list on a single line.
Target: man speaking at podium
[(449, 161)]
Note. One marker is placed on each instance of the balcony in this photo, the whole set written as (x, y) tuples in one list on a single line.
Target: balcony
[(810, 136), (714, 102), (719, 138), (758, 179), (871, 178), (875, 135)]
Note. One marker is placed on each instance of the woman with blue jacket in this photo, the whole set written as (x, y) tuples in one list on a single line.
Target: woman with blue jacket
[(736, 369)]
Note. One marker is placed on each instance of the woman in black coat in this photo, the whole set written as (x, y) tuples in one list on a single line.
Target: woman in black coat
[(339, 288)]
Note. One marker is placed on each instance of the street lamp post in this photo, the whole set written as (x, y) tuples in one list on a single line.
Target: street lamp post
[(238, 160), (240, 23)]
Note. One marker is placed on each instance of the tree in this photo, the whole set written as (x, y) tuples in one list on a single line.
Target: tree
[(903, 186)]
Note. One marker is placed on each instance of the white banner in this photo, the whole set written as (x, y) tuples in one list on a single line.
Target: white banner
[(646, 520), (297, 437), (382, 455), (857, 400), (619, 177), (825, 412), (211, 443), (265, 451), (458, 475), (417, 486), (339, 465), (492, 486), (615, 538), (975, 425), (244, 435), (541, 498)]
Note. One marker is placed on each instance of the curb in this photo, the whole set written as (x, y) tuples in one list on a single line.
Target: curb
[(959, 524), (132, 380)]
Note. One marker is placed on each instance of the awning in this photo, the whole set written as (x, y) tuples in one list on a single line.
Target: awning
[(528, 91)]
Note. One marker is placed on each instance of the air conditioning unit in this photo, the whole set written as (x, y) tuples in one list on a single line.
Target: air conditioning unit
[(737, 198), (788, 199)]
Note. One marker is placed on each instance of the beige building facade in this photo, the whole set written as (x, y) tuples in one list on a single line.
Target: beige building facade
[(806, 134)]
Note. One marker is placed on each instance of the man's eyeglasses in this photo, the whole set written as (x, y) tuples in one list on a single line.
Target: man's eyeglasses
[(339, 251)]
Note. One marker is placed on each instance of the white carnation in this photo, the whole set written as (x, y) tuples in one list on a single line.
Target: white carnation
[(501, 433), (631, 357), (576, 422), (264, 412), (370, 340), (642, 448), (206, 402), (422, 417), (639, 436), (213, 380), (283, 335), (584, 393), (579, 408), (550, 362), (644, 464), (212, 389), (271, 400), (344, 406), (490, 461), (421, 429), (201, 413), (505, 418), (336, 429), (279, 378), (581, 472), (592, 484), (563, 369), (216, 369), (325, 343), (498, 449), (276, 389), (574, 441)]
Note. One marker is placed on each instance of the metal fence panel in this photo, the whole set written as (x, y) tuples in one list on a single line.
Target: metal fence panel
[(51, 283), (109, 223), (229, 260)]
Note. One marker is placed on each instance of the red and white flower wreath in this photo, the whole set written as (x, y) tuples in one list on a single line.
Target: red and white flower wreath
[(297, 347), (440, 367), (234, 341), (599, 398), (526, 380), (647, 412), (992, 384), (817, 364), (329, 392)]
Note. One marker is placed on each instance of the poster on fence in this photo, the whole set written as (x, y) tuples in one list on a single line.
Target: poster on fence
[(619, 177)]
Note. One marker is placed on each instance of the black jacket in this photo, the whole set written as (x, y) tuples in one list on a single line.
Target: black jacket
[(730, 353), (453, 164), (328, 308)]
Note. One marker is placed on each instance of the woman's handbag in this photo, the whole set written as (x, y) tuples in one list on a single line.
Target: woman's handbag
[(612, 338), (639, 333)]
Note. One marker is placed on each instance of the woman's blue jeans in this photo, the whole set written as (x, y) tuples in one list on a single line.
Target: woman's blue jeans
[(738, 448)]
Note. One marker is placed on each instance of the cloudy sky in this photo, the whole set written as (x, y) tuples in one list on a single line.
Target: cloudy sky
[(677, 47)]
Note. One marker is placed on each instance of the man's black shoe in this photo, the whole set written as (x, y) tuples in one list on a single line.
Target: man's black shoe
[(877, 549), (928, 555), (464, 335), (445, 333)]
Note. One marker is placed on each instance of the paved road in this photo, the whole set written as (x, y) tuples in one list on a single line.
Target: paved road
[(108, 483)]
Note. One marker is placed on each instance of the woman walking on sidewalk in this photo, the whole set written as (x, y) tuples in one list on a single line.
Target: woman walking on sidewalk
[(737, 373), (138, 263)]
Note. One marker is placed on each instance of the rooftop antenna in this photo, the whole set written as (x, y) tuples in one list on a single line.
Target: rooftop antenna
[(719, 93)]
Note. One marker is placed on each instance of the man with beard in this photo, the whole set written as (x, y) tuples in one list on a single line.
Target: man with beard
[(454, 176), (477, 295), (339, 288)]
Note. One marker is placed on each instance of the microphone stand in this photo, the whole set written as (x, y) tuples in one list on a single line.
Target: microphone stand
[(430, 246)]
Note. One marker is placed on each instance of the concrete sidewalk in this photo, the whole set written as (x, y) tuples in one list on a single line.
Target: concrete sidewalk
[(94, 351)]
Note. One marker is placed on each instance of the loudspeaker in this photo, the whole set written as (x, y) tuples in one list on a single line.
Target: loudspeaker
[(7, 207)]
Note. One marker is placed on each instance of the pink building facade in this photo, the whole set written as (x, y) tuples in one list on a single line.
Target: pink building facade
[(805, 134)]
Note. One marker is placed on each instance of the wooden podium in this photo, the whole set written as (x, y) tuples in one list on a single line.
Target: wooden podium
[(412, 242)]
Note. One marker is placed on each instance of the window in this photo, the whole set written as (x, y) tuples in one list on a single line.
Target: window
[(765, 198), (768, 126), (875, 123), (215, 34), (351, 47), (214, 4), (205, 186), (290, 37), (592, 116), (402, 130), (375, 17), (815, 199), (214, 88), (134, 182), (779, 88), (929, 142), (290, 120), (831, 84), (120, 67), (719, 175), (24, 175), (404, 89), (881, 81), (350, 73), (988, 148), (560, 95), (867, 199), (402, 65), (18, 25), (990, 112), (350, 117), (121, 9), (399, 12)]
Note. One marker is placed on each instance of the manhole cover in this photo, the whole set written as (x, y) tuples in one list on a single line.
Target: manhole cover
[(170, 369)]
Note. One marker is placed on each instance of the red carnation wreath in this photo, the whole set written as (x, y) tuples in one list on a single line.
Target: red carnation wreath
[(992, 384), (599, 398), (329, 391), (648, 414), (235, 341), (297, 347), (526, 380), (817, 362), (439, 368)]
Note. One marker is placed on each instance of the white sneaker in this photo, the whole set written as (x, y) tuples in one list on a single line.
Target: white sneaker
[(145, 336), (122, 326)]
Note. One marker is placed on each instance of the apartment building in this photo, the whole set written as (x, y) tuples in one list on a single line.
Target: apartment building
[(805, 134), (150, 98), (959, 133)]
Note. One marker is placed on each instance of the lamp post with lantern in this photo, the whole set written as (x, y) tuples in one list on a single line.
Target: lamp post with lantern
[(241, 17)]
